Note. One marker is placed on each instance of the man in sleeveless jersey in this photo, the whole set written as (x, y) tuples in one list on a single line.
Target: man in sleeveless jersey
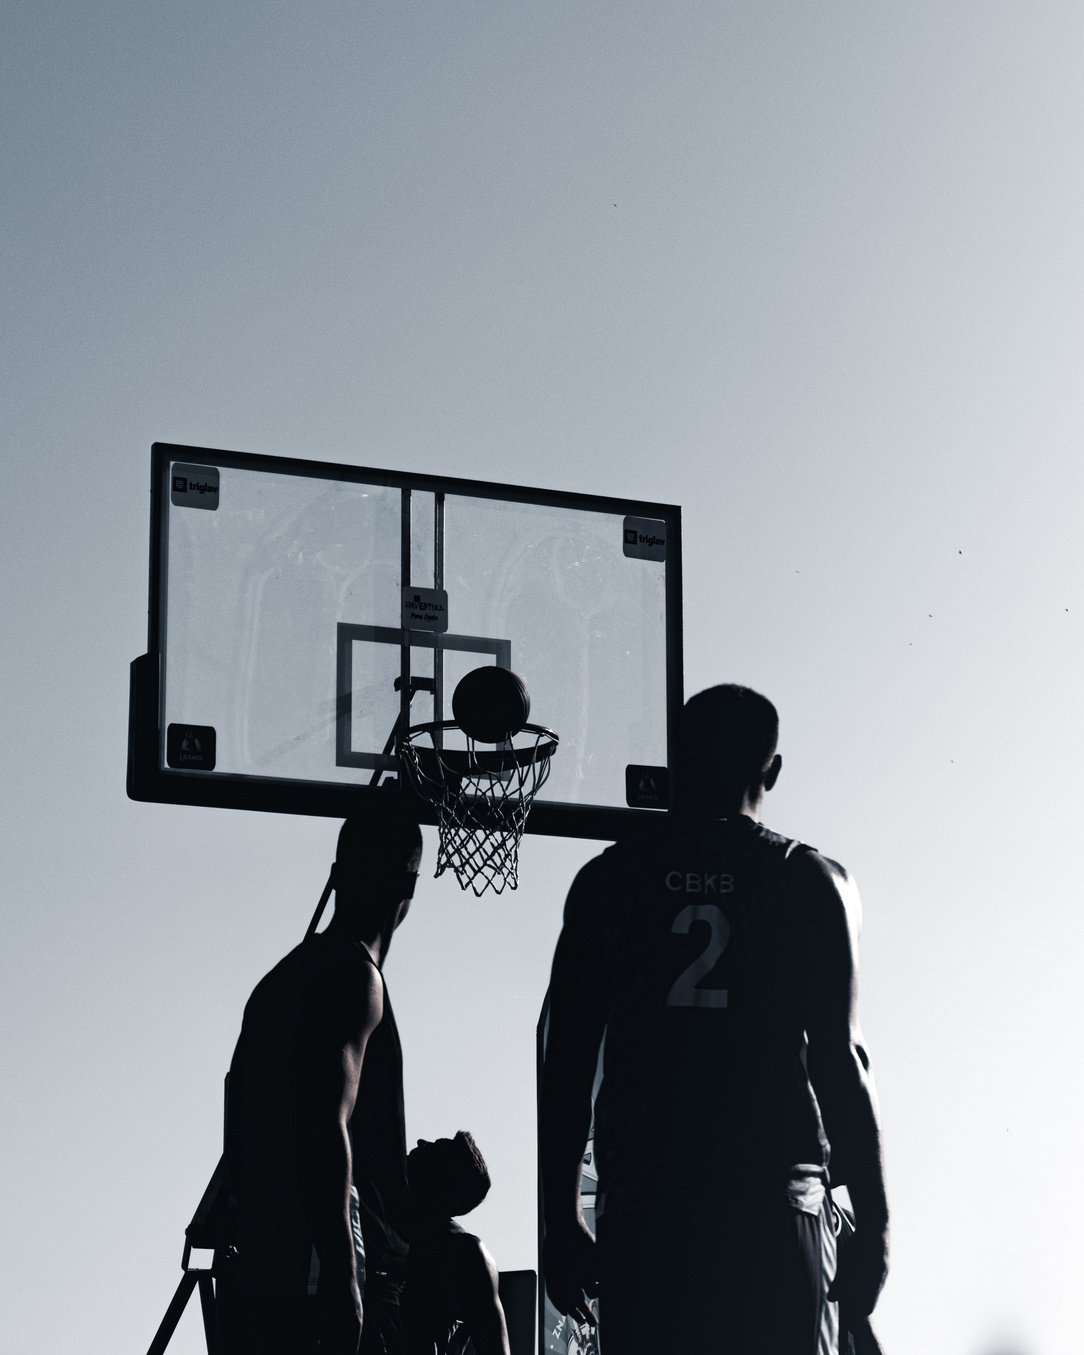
[(315, 1135), (714, 963)]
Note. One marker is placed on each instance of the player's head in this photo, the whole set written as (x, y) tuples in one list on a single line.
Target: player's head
[(376, 863), (448, 1177), (727, 743)]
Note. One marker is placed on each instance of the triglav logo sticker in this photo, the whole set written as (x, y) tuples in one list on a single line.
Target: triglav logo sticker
[(645, 538), (193, 486)]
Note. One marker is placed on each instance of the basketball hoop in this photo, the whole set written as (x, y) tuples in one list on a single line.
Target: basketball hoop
[(482, 796)]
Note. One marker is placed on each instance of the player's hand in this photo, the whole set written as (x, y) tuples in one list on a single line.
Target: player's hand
[(570, 1266), (861, 1269), (340, 1321), (863, 1340)]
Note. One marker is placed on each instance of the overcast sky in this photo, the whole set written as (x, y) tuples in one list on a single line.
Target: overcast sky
[(812, 272)]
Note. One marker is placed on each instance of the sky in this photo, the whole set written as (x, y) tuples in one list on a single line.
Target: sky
[(811, 272)]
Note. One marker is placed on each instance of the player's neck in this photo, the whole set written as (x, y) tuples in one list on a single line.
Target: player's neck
[(747, 806), (347, 929), (744, 810), (751, 805)]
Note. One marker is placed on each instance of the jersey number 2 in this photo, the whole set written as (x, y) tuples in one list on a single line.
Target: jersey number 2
[(685, 992)]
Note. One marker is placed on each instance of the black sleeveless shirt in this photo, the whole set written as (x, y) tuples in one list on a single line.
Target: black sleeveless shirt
[(703, 961), (262, 1147)]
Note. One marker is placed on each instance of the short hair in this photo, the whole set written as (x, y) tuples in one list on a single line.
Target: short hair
[(728, 735), (468, 1186), (379, 846)]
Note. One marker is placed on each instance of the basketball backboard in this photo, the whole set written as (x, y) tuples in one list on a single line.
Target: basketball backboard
[(294, 604)]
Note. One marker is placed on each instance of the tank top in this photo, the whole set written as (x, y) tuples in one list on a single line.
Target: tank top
[(262, 1154), (703, 961)]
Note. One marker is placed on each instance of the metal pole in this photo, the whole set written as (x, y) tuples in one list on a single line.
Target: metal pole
[(438, 582), (404, 576)]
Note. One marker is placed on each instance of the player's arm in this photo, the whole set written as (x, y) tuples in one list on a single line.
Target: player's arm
[(327, 1078), (576, 1023), (839, 1067), (474, 1280)]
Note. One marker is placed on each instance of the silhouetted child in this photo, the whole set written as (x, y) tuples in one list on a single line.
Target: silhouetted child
[(450, 1303)]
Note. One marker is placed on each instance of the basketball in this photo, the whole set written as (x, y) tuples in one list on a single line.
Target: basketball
[(491, 704)]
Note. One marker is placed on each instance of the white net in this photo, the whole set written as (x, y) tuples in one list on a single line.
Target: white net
[(482, 798)]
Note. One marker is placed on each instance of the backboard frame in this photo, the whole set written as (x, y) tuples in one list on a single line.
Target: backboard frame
[(150, 779)]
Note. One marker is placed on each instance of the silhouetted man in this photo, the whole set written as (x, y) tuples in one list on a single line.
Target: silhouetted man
[(451, 1301), (719, 961), (315, 1137)]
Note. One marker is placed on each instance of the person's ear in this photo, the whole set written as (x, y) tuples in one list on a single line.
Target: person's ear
[(771, 776)]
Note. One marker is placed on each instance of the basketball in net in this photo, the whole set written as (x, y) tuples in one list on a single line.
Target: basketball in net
[(481, 772)]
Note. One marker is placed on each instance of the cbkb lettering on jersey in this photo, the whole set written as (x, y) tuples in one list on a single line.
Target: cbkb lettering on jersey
[(698, 882)]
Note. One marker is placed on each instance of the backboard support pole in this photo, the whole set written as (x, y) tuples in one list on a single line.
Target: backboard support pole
[(405, 580), (438, 583)]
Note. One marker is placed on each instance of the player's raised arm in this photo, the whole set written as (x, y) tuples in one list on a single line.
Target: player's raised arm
[(574, 1035), (839, 1068)]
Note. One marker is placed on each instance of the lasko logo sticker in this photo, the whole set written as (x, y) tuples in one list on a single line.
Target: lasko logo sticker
[(191, 748), (425, 609), (647, 787), (193, 486), (645, 538)]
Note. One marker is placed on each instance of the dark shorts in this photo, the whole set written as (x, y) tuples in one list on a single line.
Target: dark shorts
[(746, 1279), (251, 1320), (255, 1319)]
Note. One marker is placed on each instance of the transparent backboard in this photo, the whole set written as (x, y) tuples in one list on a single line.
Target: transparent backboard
[(294, 605)]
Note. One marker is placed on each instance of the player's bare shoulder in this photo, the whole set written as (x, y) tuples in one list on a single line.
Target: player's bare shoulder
[(826, 891), (363, 988), (470, 1259), (346, 992)]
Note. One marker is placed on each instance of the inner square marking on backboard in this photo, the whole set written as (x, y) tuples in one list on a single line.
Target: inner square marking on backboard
[(348, 634)]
